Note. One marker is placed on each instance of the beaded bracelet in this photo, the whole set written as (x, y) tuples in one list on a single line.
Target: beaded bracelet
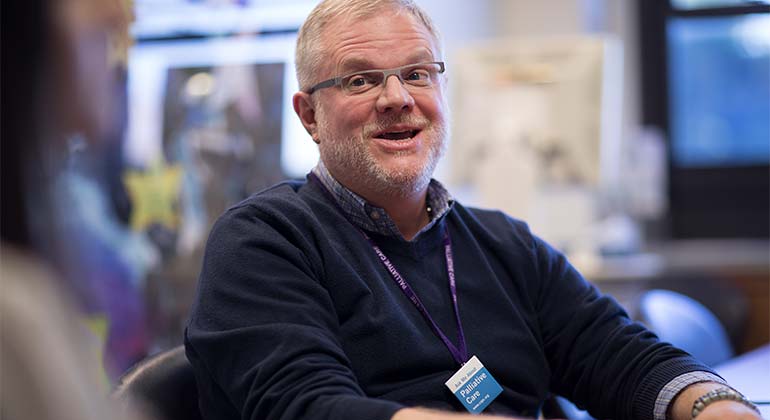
[(720, 394)]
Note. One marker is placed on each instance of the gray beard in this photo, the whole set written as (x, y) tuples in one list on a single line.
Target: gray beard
[(353, 157)]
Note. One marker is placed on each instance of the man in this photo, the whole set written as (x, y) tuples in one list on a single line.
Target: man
[(361, 291)]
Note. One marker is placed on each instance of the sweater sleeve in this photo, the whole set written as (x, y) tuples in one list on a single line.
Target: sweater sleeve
[(599, 358), (263, 333)]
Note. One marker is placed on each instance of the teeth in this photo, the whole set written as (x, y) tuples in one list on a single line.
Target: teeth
[(399, 135)]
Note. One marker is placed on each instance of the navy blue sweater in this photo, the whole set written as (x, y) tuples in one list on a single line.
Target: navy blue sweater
[(297, 318)]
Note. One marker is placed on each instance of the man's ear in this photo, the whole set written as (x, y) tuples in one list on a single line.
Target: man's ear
[(303, 106)]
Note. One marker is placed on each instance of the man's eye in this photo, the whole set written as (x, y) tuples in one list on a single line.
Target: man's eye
[(361, 82), (357, 81), (417, 75)]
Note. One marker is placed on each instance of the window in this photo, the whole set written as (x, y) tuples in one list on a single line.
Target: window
[(706, 84)]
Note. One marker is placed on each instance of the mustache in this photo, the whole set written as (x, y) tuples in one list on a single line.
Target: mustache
[(382, 124)]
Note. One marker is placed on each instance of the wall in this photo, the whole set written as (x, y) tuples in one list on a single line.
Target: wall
[(463, 22)]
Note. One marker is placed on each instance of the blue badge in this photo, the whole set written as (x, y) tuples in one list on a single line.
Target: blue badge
[(474, 386)]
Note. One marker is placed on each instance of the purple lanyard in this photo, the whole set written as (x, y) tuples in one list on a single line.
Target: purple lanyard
[(459, 354)]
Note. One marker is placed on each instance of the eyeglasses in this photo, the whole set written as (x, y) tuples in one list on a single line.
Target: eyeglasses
[(420, 75)]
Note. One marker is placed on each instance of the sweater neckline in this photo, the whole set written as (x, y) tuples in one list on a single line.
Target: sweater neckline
[(418, 247)]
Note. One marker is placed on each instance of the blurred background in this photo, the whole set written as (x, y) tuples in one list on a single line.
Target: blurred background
[(632, 135)]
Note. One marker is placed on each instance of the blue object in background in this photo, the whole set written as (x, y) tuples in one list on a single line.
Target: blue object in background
[(687, 324), (719, 79)]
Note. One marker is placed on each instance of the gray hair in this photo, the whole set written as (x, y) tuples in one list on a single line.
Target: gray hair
[(309, 54)]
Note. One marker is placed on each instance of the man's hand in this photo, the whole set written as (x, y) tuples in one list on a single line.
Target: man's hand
[(727, 410), (425, 414), (719, 410)]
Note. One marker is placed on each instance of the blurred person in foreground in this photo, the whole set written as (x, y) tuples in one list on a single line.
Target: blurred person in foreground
[(57, 82), (359, 292)]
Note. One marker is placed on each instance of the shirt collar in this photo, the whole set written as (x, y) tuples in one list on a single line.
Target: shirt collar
[(374, 219)]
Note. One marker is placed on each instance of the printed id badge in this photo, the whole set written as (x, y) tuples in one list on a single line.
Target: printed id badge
[(474, 386)]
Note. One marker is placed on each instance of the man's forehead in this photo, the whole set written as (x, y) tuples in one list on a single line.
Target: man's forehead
[(355, 63), (353, 44)]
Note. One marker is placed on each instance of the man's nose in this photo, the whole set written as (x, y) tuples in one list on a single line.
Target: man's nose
[(394, 95)]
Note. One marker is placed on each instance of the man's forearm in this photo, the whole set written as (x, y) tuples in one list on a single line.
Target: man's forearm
[(426, 414), (681, 408)]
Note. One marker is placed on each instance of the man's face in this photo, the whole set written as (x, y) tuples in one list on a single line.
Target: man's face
[(387, 141)]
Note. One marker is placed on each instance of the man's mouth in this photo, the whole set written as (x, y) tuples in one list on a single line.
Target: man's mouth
[(398, 135)]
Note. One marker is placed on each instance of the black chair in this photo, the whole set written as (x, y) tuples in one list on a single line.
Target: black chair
[(163, 384)]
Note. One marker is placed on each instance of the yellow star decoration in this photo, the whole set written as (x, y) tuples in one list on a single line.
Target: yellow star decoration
[(154, 195)]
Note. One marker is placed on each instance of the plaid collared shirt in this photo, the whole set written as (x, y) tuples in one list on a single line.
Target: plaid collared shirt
[(375, 219), (673, 388)]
